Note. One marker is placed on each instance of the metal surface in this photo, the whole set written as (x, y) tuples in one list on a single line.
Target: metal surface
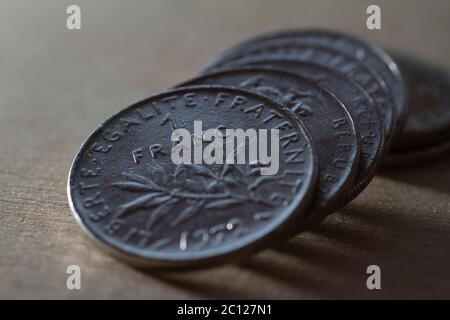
[(152, 212), (326, 118)]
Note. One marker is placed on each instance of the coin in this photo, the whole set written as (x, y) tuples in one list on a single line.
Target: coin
[(325, 117), (128, 194), (360, 50), (340, 62), (428, 122), (364, 112)]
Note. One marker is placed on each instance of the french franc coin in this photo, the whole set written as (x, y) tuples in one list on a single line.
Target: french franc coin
[(352, 69), (134, 200), (367, 53), (428, 123), (325, 117), (365, 113)]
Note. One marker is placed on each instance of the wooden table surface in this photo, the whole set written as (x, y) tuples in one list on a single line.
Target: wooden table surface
[(56, 85)]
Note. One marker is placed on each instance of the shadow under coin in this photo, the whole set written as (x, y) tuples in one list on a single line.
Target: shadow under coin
[(413, 255), (201, 286)]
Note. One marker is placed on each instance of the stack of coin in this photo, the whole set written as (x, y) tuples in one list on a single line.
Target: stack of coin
[(340, 106)]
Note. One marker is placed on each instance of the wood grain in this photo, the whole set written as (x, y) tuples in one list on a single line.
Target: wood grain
[(57, 85)]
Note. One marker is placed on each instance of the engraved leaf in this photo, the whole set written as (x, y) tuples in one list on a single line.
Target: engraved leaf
[(213, 185), (136, 177), (161, 212), (201, 170), (188, 212), (255, 172), (178, 171), (136, 204), (224, 203), (157, 201), (204, 184), (225, 169), (237, 173), (255, 168), (132, 186), (157, 172), (160, 174), (193, 185), (262, 179), (230, 182), (140, 179)]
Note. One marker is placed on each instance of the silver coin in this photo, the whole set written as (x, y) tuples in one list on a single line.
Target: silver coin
[(134, 201)]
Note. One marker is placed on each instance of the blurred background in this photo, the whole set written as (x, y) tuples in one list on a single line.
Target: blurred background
[(57, 85)]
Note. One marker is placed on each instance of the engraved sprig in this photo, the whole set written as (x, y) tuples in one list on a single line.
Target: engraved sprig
[(197, 187)]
